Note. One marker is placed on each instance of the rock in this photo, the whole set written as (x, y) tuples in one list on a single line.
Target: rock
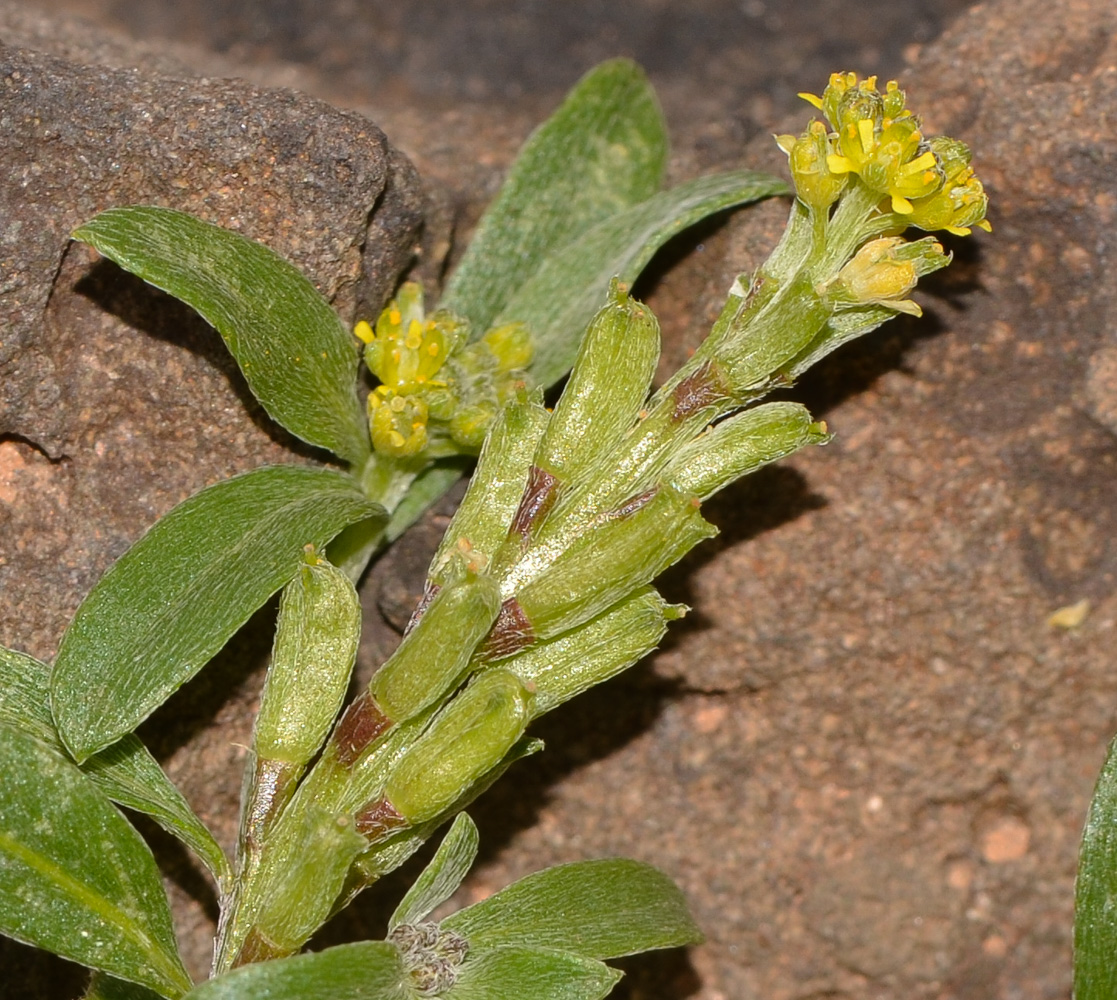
[(115, 399), (865, 756)]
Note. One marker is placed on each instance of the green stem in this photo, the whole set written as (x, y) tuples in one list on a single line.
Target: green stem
[(385, 480)]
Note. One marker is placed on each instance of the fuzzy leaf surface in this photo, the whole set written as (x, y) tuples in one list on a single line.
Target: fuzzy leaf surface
[(126, 772), (596, 909), (441, 878), (75, 877), (601, 152), (1095, 892), (563, 294), (102, 987), (514, 972), (297, 357), (368, 970), (172, 601)]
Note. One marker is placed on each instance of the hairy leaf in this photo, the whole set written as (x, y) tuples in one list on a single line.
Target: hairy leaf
[(173, 600), (596, 909), (601, 152), (75, 878), (514, 972), (297, 357), (441, 878), (563, 295), (1095, 896), (126, 772), (369, 970)]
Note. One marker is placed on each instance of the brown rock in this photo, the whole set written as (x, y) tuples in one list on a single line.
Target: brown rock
[(833, 754), (121, 398)]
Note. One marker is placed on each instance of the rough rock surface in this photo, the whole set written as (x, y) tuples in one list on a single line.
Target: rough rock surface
[(866, 755)]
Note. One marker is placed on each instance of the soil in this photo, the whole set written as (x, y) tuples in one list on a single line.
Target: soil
[(866, 754)]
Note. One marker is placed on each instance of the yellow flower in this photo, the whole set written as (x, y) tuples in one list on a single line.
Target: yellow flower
[(397, 424), (884, 271), (407, 349), (816, 184), (960, 202), (928, 183)]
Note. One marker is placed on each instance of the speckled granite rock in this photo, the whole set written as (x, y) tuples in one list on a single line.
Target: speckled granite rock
[(865, 755)]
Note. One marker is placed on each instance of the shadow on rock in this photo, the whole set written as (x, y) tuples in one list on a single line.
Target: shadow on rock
[(156, 313)]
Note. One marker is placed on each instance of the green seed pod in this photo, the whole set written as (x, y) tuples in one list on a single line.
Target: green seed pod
[(592, 653), (750, 355), (308, 873), (481, 522), (628, 548), (740, 445), (467, 739), (316, 640), (607, 389), (434, 655)]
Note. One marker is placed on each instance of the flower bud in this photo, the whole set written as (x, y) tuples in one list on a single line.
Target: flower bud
[(434, 655), (510, 344), (608, 387), (496, 487), (815, 183), (742, 444), (601, 648), (884, 271), (468, 738)]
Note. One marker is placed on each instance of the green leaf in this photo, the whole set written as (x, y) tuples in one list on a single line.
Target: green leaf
[(567, 290), (25, 696), (102, 987), (441, 878), (369, 970), (517, 973), (173, 600), (298, 358), (126, 772), (75, 878), (596, 909), (1095, 892), (601, 152)]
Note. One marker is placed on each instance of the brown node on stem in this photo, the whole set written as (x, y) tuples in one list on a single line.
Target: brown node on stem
[(698, 390), (633, 504), (510, 633), (378, 819), (362, 723), (538, 499)]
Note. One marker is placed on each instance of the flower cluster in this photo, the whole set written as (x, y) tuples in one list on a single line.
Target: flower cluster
[(434, 381), (875, 140)]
